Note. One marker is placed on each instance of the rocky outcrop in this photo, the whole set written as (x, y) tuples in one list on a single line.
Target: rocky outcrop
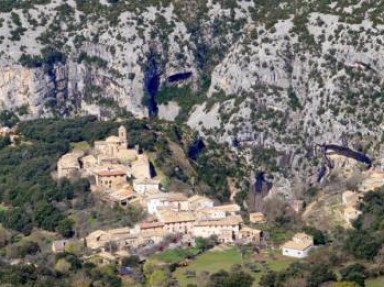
[(274, 81), (113, 76), (67, 90), (24, 87)]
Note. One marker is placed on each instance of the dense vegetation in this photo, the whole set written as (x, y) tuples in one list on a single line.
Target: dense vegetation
[(27, 188), (32, 200), (32, 196), (355, 253)]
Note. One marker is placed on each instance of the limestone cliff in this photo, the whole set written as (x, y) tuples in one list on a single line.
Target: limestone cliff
[(270, 78)]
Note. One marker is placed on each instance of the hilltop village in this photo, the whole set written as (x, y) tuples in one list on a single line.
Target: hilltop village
[(125, 214), (122, 176)]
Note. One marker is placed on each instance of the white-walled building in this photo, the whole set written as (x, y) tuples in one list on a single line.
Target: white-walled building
[(171, 200), (217, 212), (226, 229), (229, 209), (299, 246), (198, 201), (209, 214), (142, 186), (176, 221)]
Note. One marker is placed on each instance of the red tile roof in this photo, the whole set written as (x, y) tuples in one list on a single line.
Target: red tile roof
[(110, 172), (147, 225)]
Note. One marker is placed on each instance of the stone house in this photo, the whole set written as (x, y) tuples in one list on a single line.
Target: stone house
[(141, 167), (198, 201), (113, 144), (217, 212), (68, 165), (121, 197), (122, 237), (169, 200), (111, 176), (209, 213), (88, 162), (256, 217), (151, 227), (250, 235), (142, 186), (227, 229), (97, 239), (229, 209), (176, 221)]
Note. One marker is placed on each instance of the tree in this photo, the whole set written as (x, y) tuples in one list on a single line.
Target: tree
[(74, 247), (65, 227), (131, 261), (4, 141), (362, 244), (268, 279), (235, 278), (17, 219), (4, 237), (345, 284), (354, 273), (319, 237), (321, 274), (47, 216), (63, 266), (159, 278), (22, 249), (202, 278), (218, 279), (244, 250), (8, 118), (239, 278), (72, 259), (81, 280), (204, 244)]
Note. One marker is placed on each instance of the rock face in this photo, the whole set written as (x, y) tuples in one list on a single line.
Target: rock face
[(277, 90), (65, 91), (313, 87), (272, 78), (20, 86), (105, 68)]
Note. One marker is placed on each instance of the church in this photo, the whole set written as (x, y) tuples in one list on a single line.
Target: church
[(110, 162), (112, 145)]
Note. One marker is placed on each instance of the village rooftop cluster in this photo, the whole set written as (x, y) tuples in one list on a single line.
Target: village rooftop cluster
[(122, 176)]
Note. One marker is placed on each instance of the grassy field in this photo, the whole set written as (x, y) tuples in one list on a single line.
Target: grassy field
[(376, 282), (213, 261), (174, 255)]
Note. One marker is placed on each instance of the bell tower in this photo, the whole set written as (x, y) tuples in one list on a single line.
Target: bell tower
[(123, 136)]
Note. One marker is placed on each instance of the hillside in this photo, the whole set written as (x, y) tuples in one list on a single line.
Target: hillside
[(228, 103), (267, 77)]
